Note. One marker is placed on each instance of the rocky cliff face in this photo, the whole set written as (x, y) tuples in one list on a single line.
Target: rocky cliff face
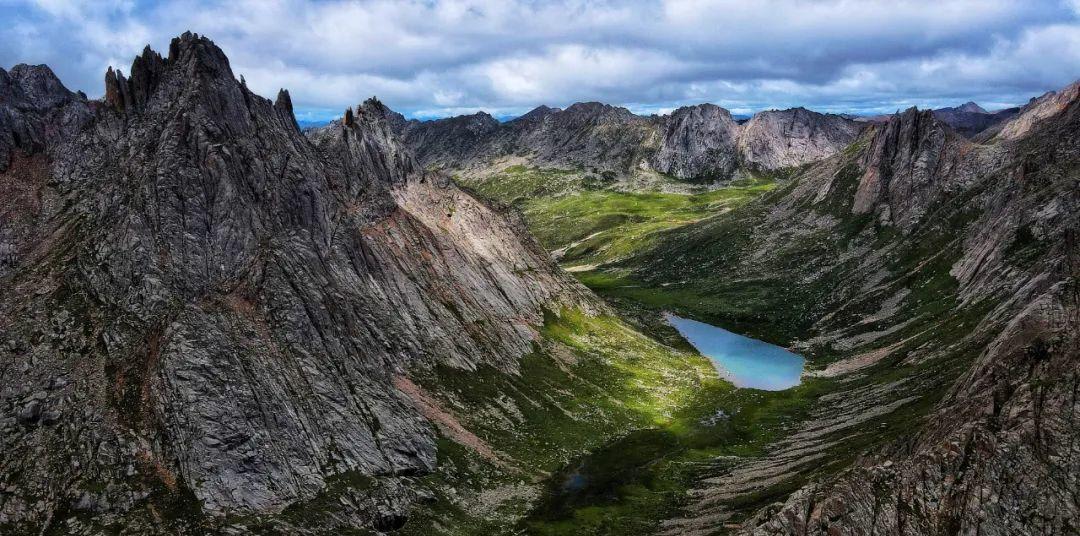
[(207, 313), (911, 161), (692, 143), (36, 110)]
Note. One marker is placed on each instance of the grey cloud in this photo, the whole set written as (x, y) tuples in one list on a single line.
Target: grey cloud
[(437, 57)]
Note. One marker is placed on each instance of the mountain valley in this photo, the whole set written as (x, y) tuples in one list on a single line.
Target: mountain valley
[(215, 322)]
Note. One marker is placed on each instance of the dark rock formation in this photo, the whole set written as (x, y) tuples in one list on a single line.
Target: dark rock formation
[(910, 160), (207, 310), (36, 111)]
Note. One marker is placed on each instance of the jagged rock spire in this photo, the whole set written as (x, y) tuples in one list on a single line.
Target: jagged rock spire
[(196, 55), (283, 104), (115, 84)]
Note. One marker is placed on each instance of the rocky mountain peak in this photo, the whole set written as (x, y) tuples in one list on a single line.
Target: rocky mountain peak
[(904, 163), (596, 112), (971, 107), (704, 109), (969, 119), (375, 108), (36, 109), (198, 66), (776, 139), (372, 105), (697, 141), (536, 114), (37, 84), (192, 51), (283, 104), (477, 123)]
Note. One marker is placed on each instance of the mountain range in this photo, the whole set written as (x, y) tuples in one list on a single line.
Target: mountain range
[(698, 143), (215, 322)]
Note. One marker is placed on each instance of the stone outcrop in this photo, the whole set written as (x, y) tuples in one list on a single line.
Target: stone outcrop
[(208, 315), (910, 161)]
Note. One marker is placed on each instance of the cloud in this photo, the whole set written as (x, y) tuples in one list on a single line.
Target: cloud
[(435, 57)]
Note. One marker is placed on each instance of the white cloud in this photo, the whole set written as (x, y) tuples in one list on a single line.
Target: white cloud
[(439, 56)]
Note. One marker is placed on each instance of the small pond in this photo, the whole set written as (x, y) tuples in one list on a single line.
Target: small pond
[(746, 362)]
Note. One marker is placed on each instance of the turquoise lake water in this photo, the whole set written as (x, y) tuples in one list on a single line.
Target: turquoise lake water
[(746, 362)]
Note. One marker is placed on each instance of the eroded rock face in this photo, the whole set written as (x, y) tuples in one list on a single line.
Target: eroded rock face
[(912, 159), (698, 141), (212, 313), (778, 139)]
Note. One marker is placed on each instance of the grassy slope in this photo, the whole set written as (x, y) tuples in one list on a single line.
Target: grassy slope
[(592, 224), (628, 418), (688, 253), (592, 381)]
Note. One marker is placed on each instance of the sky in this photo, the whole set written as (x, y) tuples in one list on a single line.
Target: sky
[(435, 58)]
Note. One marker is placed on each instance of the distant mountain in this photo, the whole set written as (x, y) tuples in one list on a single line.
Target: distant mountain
[(702, 142), (309, 123), (969, 119)]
